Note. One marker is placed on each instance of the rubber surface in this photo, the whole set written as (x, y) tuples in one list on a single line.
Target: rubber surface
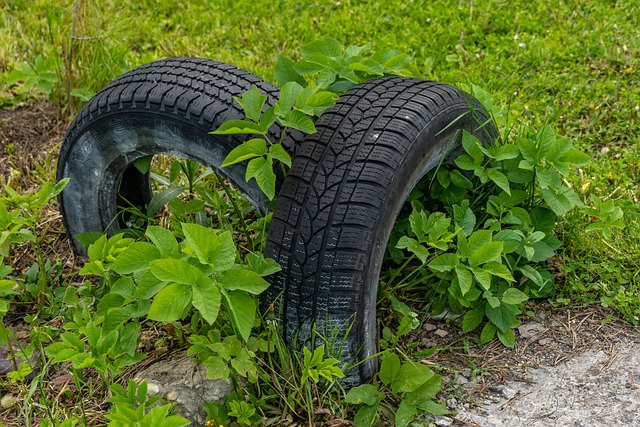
[(340, 200), (164, 107)]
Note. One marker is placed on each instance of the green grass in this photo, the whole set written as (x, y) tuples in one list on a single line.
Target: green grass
[(573, 65)]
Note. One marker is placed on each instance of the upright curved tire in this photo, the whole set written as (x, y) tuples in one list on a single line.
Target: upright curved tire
[(341, 198), (164, 107)]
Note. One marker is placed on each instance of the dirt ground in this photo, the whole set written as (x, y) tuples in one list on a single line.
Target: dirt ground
[(571, 366)]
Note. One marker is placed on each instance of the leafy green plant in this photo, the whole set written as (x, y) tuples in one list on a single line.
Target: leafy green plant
[(482, 252), (307, 88), (132, 407), (410, 383), (199, 272), (606, 215)]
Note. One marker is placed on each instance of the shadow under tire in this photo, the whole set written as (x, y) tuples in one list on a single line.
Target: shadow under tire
[(341, 198), (164, 107)]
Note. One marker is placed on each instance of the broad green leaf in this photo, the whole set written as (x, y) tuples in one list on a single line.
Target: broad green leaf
[(268, 119), (425, 392), (325, 79), (472, 319), (239, 127), (413, 246), (502, 316), (418, 222), (252, 102), (227, 257), (244, 363), (435, 408), (243, 280), (514, 296), (143, 164), (389, 368), (405, 414), (575, 157), (558, 201), (542, 219), (488, 332), (366, 416), (217, 368), (256, 147), (305, 66), (500, 270), (464, 218), (326, 46), (507, 338), (277, 152), (124, 287), (472, 145), (477, 239), (204, 241), (135, 258), (491, 299), (176, 271), (510, 239), (149, 285), (242, 310), (262, 170), (298, 120), (398, 63), (444, 263), (321, 100), (410, 377), (96, 250), (505, 152), (163, 239), (488, 252), (465, 279), (285, 72), (170, 303), (72, 339), (543, 251), (365, 394), (529, 152), (288, 96), (207, 299), (460, 180), (107, 342), (261, 265), (499, 179)]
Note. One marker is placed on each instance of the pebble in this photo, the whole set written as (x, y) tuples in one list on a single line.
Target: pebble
[(441, 333), (460, 379), (443, 421), (429, 327), (529, 330)]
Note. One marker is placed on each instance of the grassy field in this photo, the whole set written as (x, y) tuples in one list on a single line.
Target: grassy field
[(573, 65)]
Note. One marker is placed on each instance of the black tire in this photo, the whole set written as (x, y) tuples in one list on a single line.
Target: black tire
[(164, 107), (341, 198)]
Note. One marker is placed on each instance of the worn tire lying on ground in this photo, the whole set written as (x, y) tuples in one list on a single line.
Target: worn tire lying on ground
[(341, 198), (164, 107)]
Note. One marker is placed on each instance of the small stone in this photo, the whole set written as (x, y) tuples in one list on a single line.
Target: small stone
[(429, 327), (530, 330), (443, 421), (496, 389), (509, 393), (441, 333), (153, 389), (605, 150), (461, 380)]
